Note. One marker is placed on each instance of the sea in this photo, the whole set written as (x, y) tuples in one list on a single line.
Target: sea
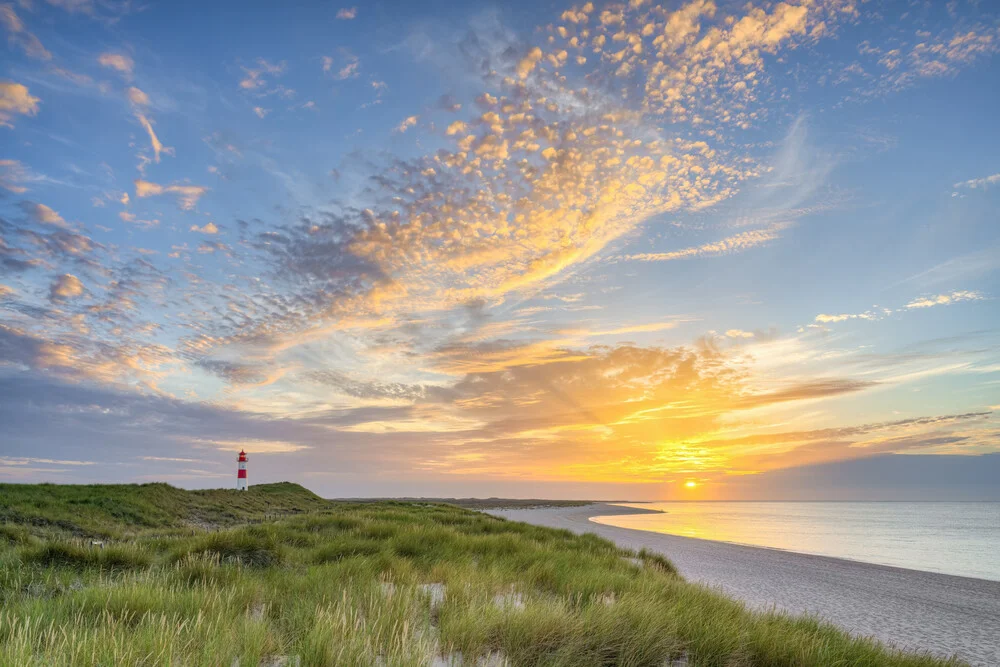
[(959, 538)]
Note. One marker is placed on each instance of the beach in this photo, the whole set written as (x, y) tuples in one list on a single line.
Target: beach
[(909, 609)]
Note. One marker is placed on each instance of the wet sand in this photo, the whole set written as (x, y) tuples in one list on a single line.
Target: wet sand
[(923, 611)]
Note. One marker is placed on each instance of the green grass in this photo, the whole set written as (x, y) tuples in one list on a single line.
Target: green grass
[(114, 510), (201, 578)]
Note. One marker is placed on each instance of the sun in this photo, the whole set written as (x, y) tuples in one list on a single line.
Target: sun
[(690, 484)]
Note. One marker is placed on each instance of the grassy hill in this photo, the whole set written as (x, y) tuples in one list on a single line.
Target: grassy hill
[(277, 574), (108, 510)]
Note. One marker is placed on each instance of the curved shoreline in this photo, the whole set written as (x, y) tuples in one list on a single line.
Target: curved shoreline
[(916, 610), (595, 519)]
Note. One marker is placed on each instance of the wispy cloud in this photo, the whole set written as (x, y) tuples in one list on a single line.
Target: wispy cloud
[(980, 183), (137, 97), (18, 35), (945, 299), (14, 175), (736, 243), (651, 327), (187, 195), (154, 141), (256, 77), (118, 61), (42, 214), (878, 313)]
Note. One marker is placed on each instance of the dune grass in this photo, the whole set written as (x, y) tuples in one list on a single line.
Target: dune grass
[(358, 584), (116, 510)]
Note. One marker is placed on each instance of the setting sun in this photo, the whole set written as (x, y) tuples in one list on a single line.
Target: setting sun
[(691, 484)]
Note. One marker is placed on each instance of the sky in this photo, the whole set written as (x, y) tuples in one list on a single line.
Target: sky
[(690, 250)]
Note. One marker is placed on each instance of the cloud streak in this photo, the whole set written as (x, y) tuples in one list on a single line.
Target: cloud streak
[(187, 195)]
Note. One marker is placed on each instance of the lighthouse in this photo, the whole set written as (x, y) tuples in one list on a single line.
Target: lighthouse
[(241, 472)]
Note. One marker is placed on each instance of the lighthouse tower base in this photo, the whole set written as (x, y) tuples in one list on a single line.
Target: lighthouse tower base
[(241, 484)]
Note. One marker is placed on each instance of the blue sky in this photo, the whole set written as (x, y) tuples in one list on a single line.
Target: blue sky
[(468, 249)]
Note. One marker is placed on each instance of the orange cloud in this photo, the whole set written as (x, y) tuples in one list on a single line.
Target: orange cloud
[(15, 99), (66, 286), (187, 195), (117, 61)]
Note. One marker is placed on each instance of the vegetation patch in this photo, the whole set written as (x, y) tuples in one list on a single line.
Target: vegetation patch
[(223, 578), (77, 554)]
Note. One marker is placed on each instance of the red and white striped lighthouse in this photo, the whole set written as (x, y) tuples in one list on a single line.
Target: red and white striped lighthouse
[(241, 473)]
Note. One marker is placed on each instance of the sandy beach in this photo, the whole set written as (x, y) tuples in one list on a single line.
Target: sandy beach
[(942, 614)]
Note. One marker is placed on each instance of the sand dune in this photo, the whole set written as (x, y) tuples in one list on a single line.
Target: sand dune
[(939, 613)]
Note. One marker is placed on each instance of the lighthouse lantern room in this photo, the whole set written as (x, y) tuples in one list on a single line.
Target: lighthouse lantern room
[(241, 473)]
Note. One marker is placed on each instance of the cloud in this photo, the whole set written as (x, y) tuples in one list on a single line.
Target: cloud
[(370, 389), (238, 373), (73, 6), (816, 389), (619, 331), (26, 460), (347, 13), (377, 318), (187, 195), (945, 299), (254, 77), (883, 477), (12, 175), (255, 445), (154, 141), (207, 228), (921, 302), (15, 99), (823, 318), (121, 417), (408, 122), (731, 244), (42, 214), (118, 61), (349, 70), (18, 35), (261, 112), (980, 183), (66, 286), (137, 97), (527, 64), (939, 52), (547, 170), (808, 447)]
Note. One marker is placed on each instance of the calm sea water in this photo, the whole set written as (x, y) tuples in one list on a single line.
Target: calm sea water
[(954, 538)]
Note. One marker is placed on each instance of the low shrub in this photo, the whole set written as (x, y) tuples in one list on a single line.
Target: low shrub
[(252, 549), (345, 547), (63, 553)]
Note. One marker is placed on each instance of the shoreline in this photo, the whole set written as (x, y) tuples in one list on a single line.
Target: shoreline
[(594, 520), (918, 610)]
